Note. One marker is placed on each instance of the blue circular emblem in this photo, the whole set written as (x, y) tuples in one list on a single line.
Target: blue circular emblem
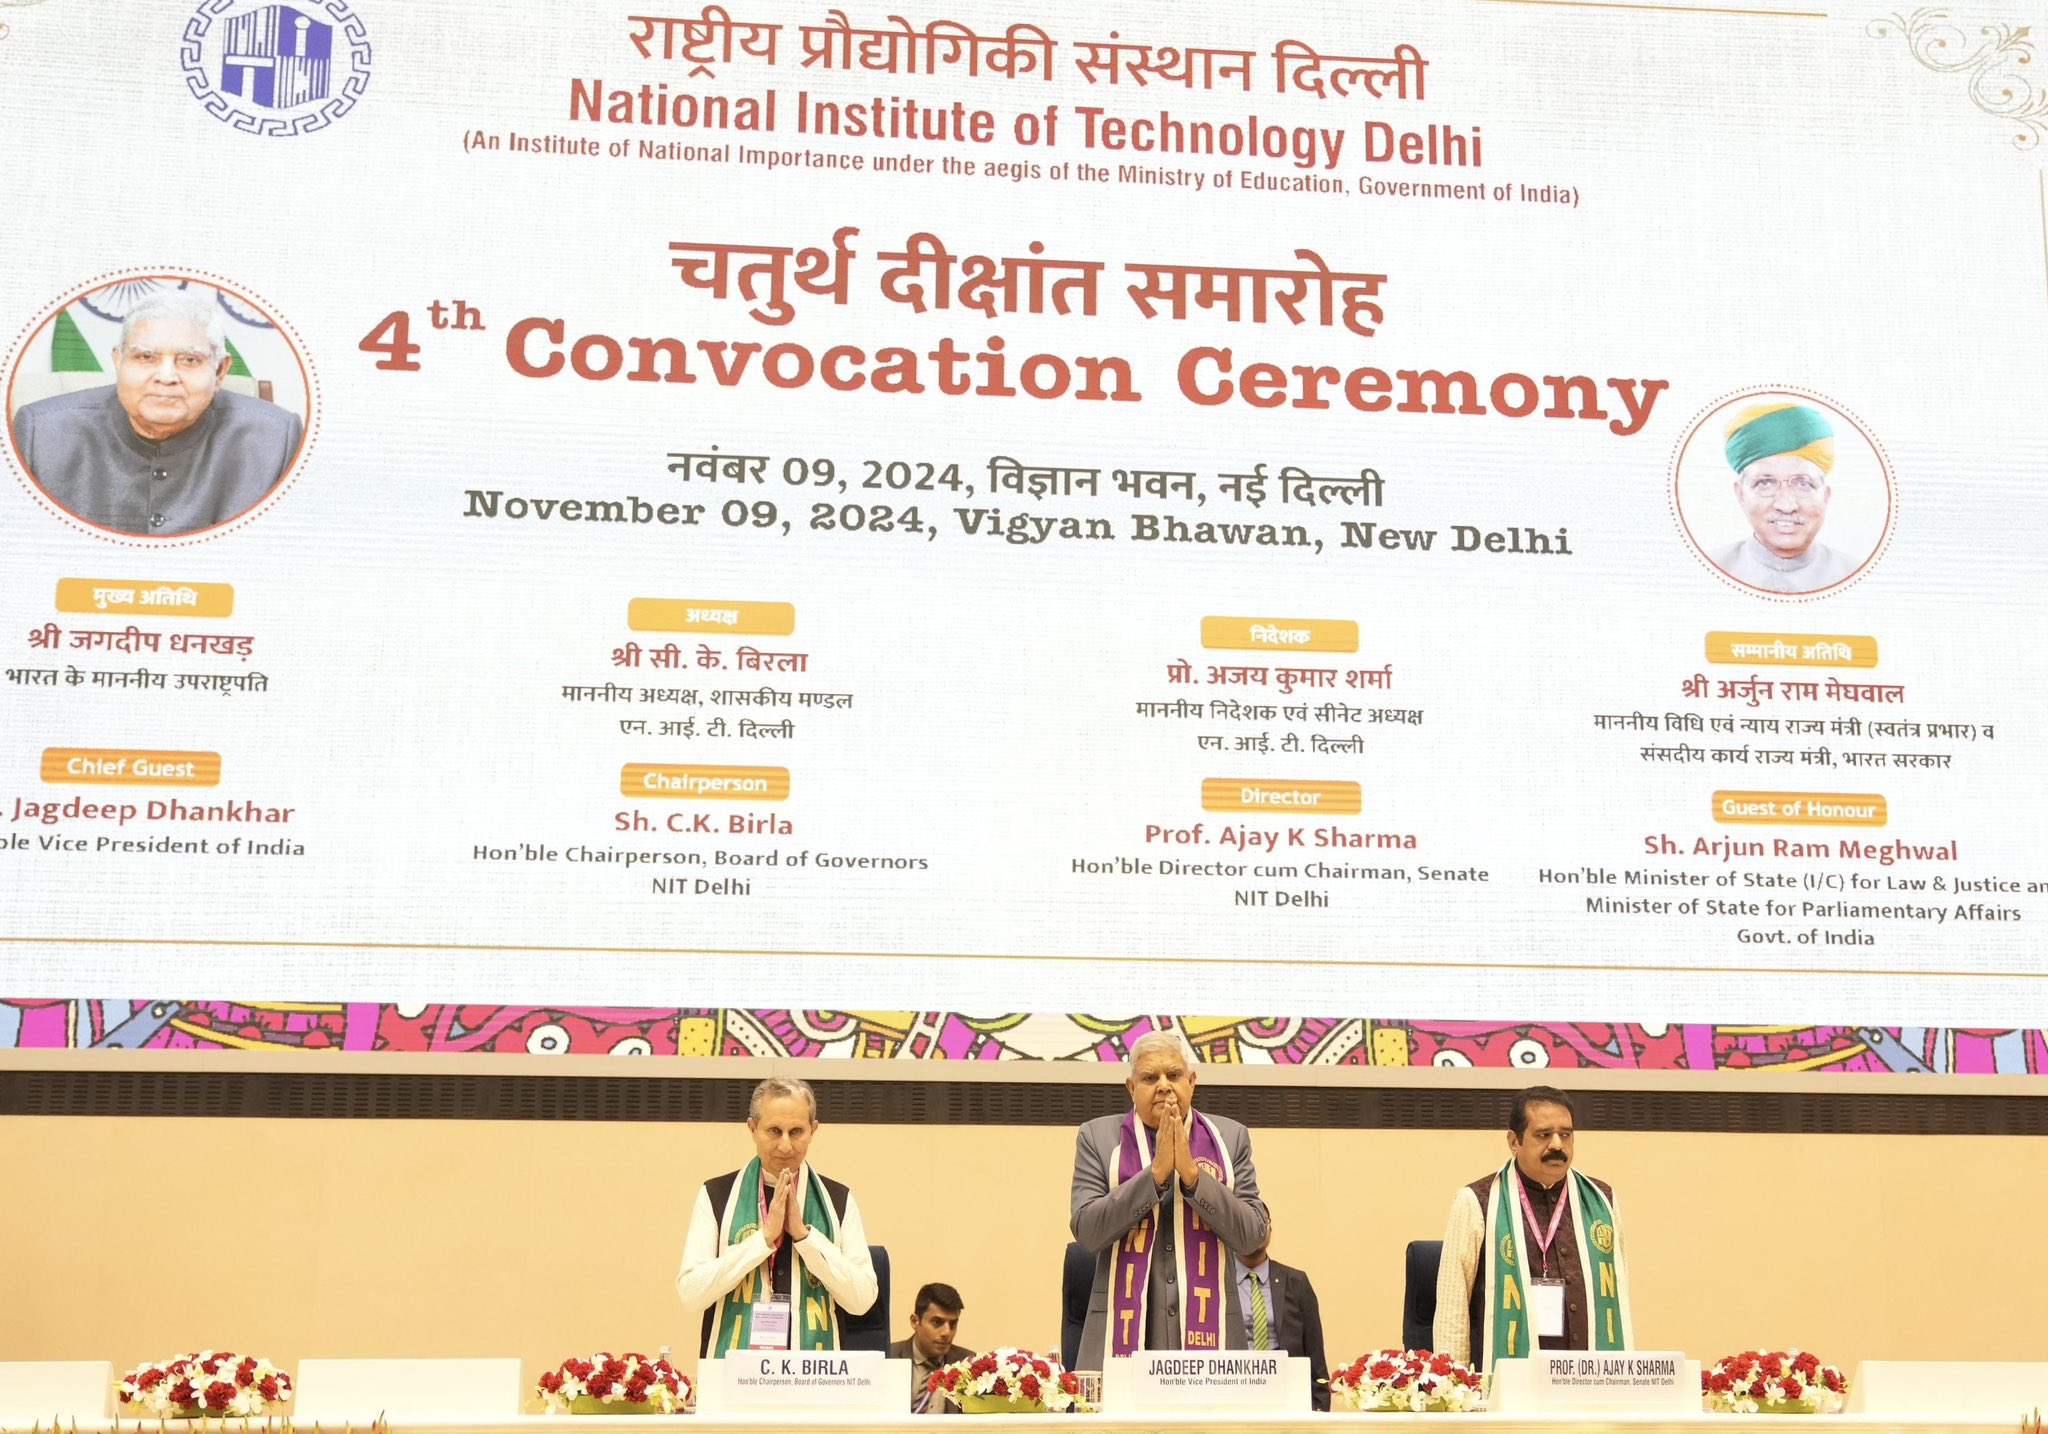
[(276, 69)]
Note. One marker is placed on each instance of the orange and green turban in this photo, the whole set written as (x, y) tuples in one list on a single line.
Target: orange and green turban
[(1768, 429)]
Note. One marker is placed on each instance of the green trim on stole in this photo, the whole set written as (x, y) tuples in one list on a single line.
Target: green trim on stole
[(816, 1320), (1509, 1329)]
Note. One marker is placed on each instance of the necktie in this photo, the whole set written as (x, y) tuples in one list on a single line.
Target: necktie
[(1262, 1331)]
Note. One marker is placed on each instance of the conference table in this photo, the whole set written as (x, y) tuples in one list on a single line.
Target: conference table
[(1098, 1423)]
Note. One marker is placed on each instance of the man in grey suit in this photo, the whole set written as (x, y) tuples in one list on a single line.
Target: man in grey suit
[(164, 449), (1159, 1196), (1280, 1298)]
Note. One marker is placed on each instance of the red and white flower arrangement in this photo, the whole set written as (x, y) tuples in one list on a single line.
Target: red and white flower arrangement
[(613, 1384), (1778, 1381), (203, 1385), (1010, 1381), (1406, 1381)]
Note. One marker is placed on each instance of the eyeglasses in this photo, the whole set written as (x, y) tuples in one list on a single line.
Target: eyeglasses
[(1801, 487), (187, 360)]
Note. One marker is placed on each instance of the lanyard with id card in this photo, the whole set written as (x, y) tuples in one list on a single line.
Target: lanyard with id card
[(1546, 1294), (768, 1328)]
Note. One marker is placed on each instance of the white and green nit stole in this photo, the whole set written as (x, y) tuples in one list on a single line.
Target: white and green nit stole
[(1510, 1334), (817, 1322)]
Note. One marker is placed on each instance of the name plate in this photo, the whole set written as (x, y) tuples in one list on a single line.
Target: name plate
[(1922, 1389), (1237, 1381), (1563, 1381), (855, 1381)]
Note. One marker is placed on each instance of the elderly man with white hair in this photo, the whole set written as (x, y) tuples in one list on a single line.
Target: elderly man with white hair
[(165, 449), (1782, 454), (775, 1250), (1163, 1196)]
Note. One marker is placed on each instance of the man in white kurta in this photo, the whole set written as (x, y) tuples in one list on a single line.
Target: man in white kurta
[(775, 1251)]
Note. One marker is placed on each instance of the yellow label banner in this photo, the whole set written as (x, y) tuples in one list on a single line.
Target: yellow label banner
[(704, 784), (1806, 809), (741, 619), (1246, 794), (1281, 634), (1791, 649), (157, 599), (116, 767)]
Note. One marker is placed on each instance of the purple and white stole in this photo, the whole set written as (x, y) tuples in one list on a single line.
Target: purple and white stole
[(1203, 1262)]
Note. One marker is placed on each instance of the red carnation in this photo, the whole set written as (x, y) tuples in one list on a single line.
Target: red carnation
[(183, 1395), (599, 1385), (1029, 1386), (1791, 1388), (211, 1366), (934, 1381), (636, 1391), (268, 1388), (1040, 1368), (1833, 1379), (1071, 1382), (1384, 1369), (616, 1368), (1757, 1390), (999, 1388), (551, 1382), (150, 1378), (218, 1395)]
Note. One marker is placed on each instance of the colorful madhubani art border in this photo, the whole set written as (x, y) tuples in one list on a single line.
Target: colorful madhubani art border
[(946, 1035)]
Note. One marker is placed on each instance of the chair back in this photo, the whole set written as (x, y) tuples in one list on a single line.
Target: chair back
[(1418, 1295), (1077, 1275), (871, 1329)]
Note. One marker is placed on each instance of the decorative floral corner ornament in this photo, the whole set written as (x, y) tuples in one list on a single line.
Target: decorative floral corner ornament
[(2000, 84)]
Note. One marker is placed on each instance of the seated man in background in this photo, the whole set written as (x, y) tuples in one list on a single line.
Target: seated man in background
[(1160, 1194), (1281, 1312), (934, 1321), (164, 449), (1532, 1254), (775, 1250)]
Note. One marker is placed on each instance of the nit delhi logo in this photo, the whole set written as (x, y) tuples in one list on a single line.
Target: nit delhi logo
[(276, 69)]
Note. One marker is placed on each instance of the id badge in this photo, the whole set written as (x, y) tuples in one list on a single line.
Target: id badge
[(1546, 1307), (769, 1328)]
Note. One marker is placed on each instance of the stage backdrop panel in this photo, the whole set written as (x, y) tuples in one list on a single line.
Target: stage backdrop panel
[(1500, 527)]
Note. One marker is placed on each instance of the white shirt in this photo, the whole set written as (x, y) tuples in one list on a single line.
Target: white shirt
[(709, 1269)]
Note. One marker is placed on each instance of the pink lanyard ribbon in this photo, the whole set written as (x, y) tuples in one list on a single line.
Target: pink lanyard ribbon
[(1543, 1243)]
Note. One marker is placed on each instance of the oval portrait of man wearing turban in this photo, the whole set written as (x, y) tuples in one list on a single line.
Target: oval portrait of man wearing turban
[(1783, 493)]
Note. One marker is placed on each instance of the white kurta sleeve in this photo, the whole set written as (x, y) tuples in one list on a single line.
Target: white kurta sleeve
[(709, 1270), (1463, 1238)]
